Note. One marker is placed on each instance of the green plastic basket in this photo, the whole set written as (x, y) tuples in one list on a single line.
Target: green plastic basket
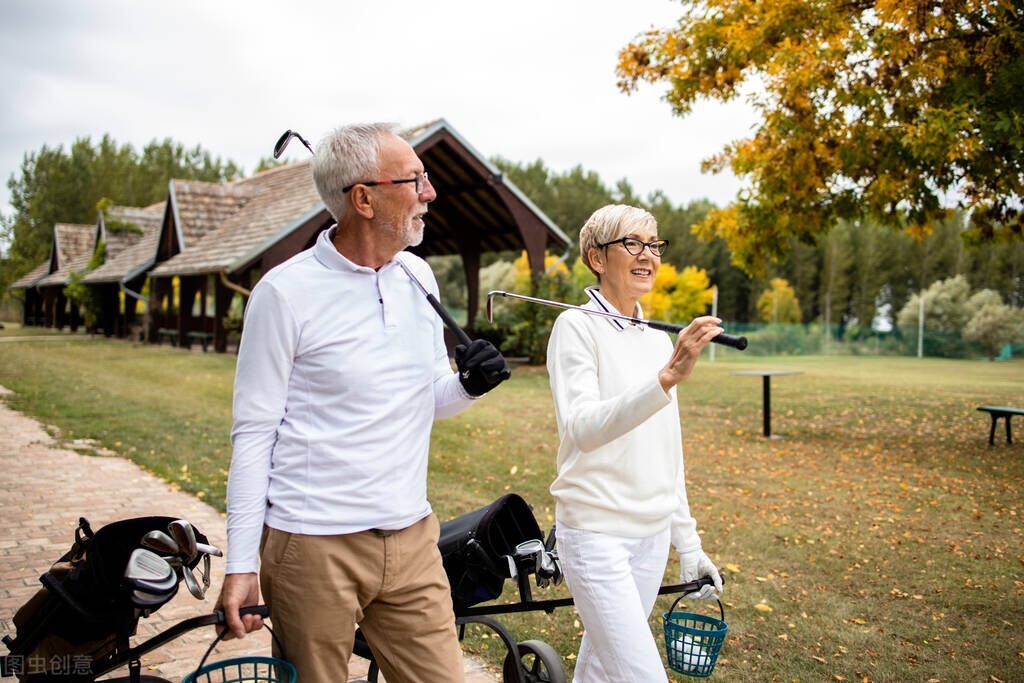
[(244, 670), (693, 641), (252, 669)]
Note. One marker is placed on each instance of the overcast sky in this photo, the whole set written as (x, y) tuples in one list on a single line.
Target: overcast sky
[(526, 80)]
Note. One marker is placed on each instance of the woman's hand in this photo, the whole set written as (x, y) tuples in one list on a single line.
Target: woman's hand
[(690, 342)]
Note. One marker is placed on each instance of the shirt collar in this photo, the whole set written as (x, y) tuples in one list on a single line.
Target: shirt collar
[(328, 254), (600, 302)]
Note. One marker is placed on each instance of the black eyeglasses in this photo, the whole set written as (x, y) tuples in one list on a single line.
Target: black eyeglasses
[(421, 183), (636, 247)]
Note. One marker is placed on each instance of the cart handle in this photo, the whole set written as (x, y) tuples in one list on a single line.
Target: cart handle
[(689, 586)]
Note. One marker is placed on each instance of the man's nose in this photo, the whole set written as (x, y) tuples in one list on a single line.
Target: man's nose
[(429, 194)]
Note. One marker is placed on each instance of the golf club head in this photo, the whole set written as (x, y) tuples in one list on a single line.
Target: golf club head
[(490, 306), (185, 536), (150, 574), (193, 585), (285, 138), (529, 548), (148, 601), (160, 542), (206, 573)]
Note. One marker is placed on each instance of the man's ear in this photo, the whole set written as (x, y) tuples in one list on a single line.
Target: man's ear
[(361, 201)]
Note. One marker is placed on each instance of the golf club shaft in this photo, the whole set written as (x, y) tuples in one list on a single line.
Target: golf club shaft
[(449, 322), (722, 338)]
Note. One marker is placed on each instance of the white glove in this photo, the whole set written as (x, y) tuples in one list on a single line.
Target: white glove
[(695, 564)]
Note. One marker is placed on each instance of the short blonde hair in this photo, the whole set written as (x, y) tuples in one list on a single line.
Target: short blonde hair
[(610, 223)]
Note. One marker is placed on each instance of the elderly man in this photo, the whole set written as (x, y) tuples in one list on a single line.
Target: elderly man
[(342, 370)]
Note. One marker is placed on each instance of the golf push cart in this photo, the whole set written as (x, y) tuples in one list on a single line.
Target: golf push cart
[(78, 626)]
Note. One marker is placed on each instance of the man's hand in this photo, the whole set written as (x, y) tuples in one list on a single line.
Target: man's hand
[(481, 367), (239, 590)]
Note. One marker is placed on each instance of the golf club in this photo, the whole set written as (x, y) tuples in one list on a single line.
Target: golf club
[(450, 323), (285, 138), (546, 570), (722, 338), (150, 577), (160, 542), (209, 550), (191, 583), (185, 536)]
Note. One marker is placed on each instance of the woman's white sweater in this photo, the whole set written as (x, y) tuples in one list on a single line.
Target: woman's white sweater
[(620, 461)]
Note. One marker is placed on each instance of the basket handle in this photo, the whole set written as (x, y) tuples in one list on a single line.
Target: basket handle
[(259, 609), (721, 610)]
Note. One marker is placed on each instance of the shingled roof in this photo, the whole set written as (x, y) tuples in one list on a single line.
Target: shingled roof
[(270, 205), (130, 252), (201, 207), (32, 277), (73, 246), (473, 204)]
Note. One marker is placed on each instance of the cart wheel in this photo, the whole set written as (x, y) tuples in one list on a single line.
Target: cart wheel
[(538, 662)]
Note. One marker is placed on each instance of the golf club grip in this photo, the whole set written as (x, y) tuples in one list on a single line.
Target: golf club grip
[(731, 340), (460, 334), (722, 338), (449, 321)]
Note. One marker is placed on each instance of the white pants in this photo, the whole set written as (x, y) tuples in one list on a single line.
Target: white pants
[(614, 582)]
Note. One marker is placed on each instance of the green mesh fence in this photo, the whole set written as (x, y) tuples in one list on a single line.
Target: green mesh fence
[(815, 339)]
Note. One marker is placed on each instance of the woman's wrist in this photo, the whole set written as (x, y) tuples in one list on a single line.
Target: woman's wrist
[(667, 379)]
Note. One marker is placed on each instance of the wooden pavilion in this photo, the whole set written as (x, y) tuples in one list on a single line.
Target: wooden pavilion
[(217, 240), (72, 248), (129, 236), (33, 313)]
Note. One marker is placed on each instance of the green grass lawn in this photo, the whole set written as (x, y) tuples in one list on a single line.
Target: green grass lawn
[(879, 540)]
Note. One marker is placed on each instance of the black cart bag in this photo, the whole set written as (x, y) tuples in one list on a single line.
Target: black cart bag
[(478, 548), (83, 613)]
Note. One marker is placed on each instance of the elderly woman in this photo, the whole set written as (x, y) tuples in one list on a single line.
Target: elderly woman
[(620, 491)]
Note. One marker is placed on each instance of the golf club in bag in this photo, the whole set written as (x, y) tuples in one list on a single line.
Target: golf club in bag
[(93, 597), (733, 341), (446, 318)]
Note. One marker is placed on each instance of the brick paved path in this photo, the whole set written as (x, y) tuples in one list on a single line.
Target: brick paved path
[(45, 488)]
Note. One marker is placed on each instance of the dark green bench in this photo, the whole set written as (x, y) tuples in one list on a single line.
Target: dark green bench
[(168, 334), (203, 338), (997, 412)]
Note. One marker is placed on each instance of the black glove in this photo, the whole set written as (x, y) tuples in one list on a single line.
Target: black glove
[(481, 367)]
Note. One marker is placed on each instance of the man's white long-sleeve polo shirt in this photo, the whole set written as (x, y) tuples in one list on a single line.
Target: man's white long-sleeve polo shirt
[(342, 370)]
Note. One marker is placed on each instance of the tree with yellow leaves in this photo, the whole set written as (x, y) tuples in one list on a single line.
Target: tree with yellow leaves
[(677, 296), (870, 108), (778, 303)]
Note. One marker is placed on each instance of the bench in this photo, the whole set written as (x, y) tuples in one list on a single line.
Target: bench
[(168, 334), (203, 338), (1000, 412)]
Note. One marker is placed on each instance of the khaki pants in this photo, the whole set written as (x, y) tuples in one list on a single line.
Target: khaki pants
[(390, 584)]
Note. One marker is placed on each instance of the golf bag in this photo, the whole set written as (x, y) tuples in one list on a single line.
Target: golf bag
[(83, 613), (479, 547)]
